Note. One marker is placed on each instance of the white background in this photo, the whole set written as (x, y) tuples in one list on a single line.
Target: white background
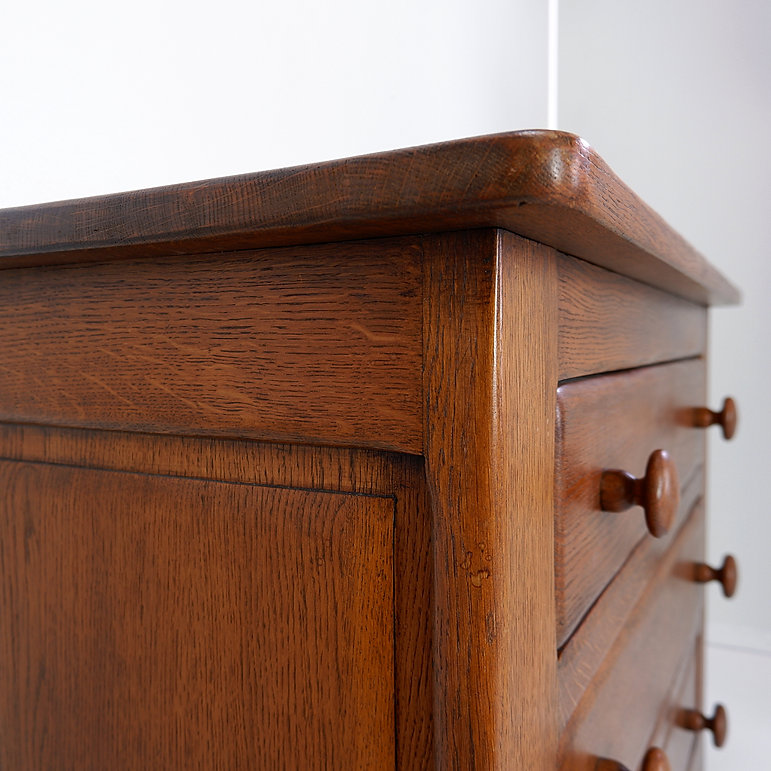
[(100, 97)]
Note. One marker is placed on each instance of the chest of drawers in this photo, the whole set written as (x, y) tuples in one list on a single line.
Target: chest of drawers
[(356, 466)]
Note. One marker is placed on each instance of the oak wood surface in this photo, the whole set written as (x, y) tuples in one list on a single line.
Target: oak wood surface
[(152, 622), (549, 186), (657, 492), (678, 742), (656, 760), (609, 322), (314, 344), (337, 469), (190, 378), (582, 656), (727, 417), (490, 332), (413, 651), (727, 575), (400, 478), (614, 422), (697, 721), (619, 710)]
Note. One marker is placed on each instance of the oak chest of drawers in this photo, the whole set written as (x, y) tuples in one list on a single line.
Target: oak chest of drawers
[(391, 462)]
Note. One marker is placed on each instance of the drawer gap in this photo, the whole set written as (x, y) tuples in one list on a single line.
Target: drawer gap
[(662, 363)]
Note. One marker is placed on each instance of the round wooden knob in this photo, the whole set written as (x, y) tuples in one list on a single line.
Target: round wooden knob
[(726, 418), (694, 720), (656, 760), (727, 574), (658, 492)]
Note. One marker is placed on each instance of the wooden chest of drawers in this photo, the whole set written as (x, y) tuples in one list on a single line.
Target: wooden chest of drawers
[(356, 466)]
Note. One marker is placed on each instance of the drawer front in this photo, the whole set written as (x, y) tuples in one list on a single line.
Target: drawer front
[(608, 322), (678, 742), (627, 706), (615, 422)]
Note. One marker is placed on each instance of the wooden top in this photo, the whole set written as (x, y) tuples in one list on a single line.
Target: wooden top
[(546, 185)]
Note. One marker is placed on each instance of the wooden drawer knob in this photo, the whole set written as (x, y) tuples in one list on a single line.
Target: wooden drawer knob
[(693, 720), (726, 418), (658, 492), (727, 574), (654, 760)]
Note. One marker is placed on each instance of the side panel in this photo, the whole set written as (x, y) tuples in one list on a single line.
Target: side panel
[(161, 622), (318, 344)]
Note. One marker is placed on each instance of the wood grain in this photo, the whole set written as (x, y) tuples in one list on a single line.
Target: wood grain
[(336, 469), (490, 322), (151, 622), (398, 477), (608, 322), (615, 422), (370, 472), (582, 656), (274, 496), (316, 344), (620, 709), (413, 653), (677, 741), (549, 186)]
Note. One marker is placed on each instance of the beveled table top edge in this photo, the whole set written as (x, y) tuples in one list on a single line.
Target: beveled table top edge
[(549, 186)]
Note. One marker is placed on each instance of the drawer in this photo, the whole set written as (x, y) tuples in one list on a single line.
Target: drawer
[(697, 757), (678, 742), (608, 322), (615, 422), (627, 706)]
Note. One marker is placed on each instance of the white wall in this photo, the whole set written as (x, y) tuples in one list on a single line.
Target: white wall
[(99, 97), (677, 98)]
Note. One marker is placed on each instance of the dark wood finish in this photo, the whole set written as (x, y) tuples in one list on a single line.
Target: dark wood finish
[(317, 344), (605, 764), (491, 336), (396, 477), (727, 418), (337, 469), (153, 622), (274, 496), (620, 708), (727, 575), (413, 651), (658, 492), (549, 186), (609, 322), (676, 741), (581, 659), (693, 720), (610, 422), (656, 760)]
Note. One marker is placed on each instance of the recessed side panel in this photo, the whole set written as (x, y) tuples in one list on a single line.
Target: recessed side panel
[(160, 622)]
